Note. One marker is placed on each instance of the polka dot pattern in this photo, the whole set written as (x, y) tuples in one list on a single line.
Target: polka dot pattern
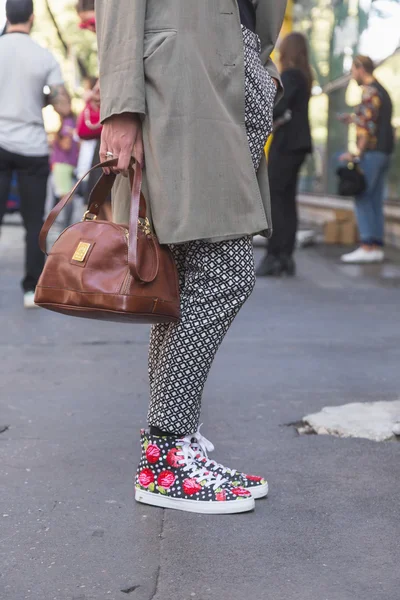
[(162, 471)]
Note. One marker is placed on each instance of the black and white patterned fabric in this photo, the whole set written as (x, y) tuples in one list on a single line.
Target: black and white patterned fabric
[(215, 281), (260, 92)]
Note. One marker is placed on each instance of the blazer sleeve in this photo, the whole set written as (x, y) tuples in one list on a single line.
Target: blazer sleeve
[(120, 37), (270, 15)]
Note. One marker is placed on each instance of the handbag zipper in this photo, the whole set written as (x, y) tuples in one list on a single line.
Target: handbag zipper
[(144, 225), (126, 284)]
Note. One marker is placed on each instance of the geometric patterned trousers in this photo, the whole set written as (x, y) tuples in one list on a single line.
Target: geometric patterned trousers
[(215, 278), (215, 281)]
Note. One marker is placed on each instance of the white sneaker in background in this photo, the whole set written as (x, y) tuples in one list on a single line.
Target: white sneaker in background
[(29, 300), (379, 255), (363, 256), (396, 428)]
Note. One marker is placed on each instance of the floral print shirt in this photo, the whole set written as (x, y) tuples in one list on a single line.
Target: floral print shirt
[(367, 115)]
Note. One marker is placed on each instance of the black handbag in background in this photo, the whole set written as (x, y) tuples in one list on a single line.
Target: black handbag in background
[(352, 180)]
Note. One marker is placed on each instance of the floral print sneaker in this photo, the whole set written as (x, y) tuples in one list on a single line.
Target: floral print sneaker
[(170, 476), (257, 486)]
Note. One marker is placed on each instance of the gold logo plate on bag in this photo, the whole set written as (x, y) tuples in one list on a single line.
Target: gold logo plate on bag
[(81, 251)]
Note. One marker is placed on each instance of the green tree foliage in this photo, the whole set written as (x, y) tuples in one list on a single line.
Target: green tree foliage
[(58, 29)]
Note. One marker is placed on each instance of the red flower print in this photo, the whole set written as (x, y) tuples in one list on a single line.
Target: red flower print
[(172, 458), (146, 477), (166, 479), (153, 453), (190, 487), (253, 478), (240, 492), (221, 496)]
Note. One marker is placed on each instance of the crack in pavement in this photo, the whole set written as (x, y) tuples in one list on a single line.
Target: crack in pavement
[(131, 589), (158, 571)]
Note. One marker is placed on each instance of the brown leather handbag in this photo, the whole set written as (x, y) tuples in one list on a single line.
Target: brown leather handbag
[(101, 270)]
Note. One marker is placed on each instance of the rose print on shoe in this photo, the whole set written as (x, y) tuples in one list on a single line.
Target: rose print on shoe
[(153, 454), (221, 496), (170, 476), (173, 459), (146, 477), (254, 478), (166, 479), (241, 492), (190, 487)]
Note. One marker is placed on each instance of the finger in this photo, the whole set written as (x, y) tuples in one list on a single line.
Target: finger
[(103, 158), (112, 155), (138, 151), (103, 150), (106, 170), (124, 160)]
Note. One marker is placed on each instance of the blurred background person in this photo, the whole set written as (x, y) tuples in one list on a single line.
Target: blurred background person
[(65, 154), (290, 145), (87, 15), (375, 144), (89, 125), (25, 69), (89, 130)]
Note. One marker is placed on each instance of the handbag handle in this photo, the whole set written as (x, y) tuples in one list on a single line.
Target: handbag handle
[(136, 217), (97, 198)]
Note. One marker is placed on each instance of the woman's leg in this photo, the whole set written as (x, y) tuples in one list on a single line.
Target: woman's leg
[(159, 331), (291, 217), (277, 173), (219, 277), (216, 279)]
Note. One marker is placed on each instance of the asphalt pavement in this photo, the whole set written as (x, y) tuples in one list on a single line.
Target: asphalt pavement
[(74, 396)]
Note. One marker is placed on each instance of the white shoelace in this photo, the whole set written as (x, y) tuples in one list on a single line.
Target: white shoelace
[(200, 444), (197, 471)]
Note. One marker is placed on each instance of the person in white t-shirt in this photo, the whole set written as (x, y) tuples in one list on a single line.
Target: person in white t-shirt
[(25, 69)]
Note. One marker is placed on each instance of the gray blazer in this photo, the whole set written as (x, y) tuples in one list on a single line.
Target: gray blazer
[(180, 64)]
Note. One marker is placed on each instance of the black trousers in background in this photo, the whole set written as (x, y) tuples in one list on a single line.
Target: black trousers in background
[(32, 173), (283, 170)]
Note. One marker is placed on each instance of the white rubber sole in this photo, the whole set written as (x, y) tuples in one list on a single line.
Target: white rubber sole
[(260, 491), (196, 506), (29, 303), (362, 262)]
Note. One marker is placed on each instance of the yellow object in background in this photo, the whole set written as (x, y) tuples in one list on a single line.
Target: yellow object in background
[(287, 27), (268, 145)]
